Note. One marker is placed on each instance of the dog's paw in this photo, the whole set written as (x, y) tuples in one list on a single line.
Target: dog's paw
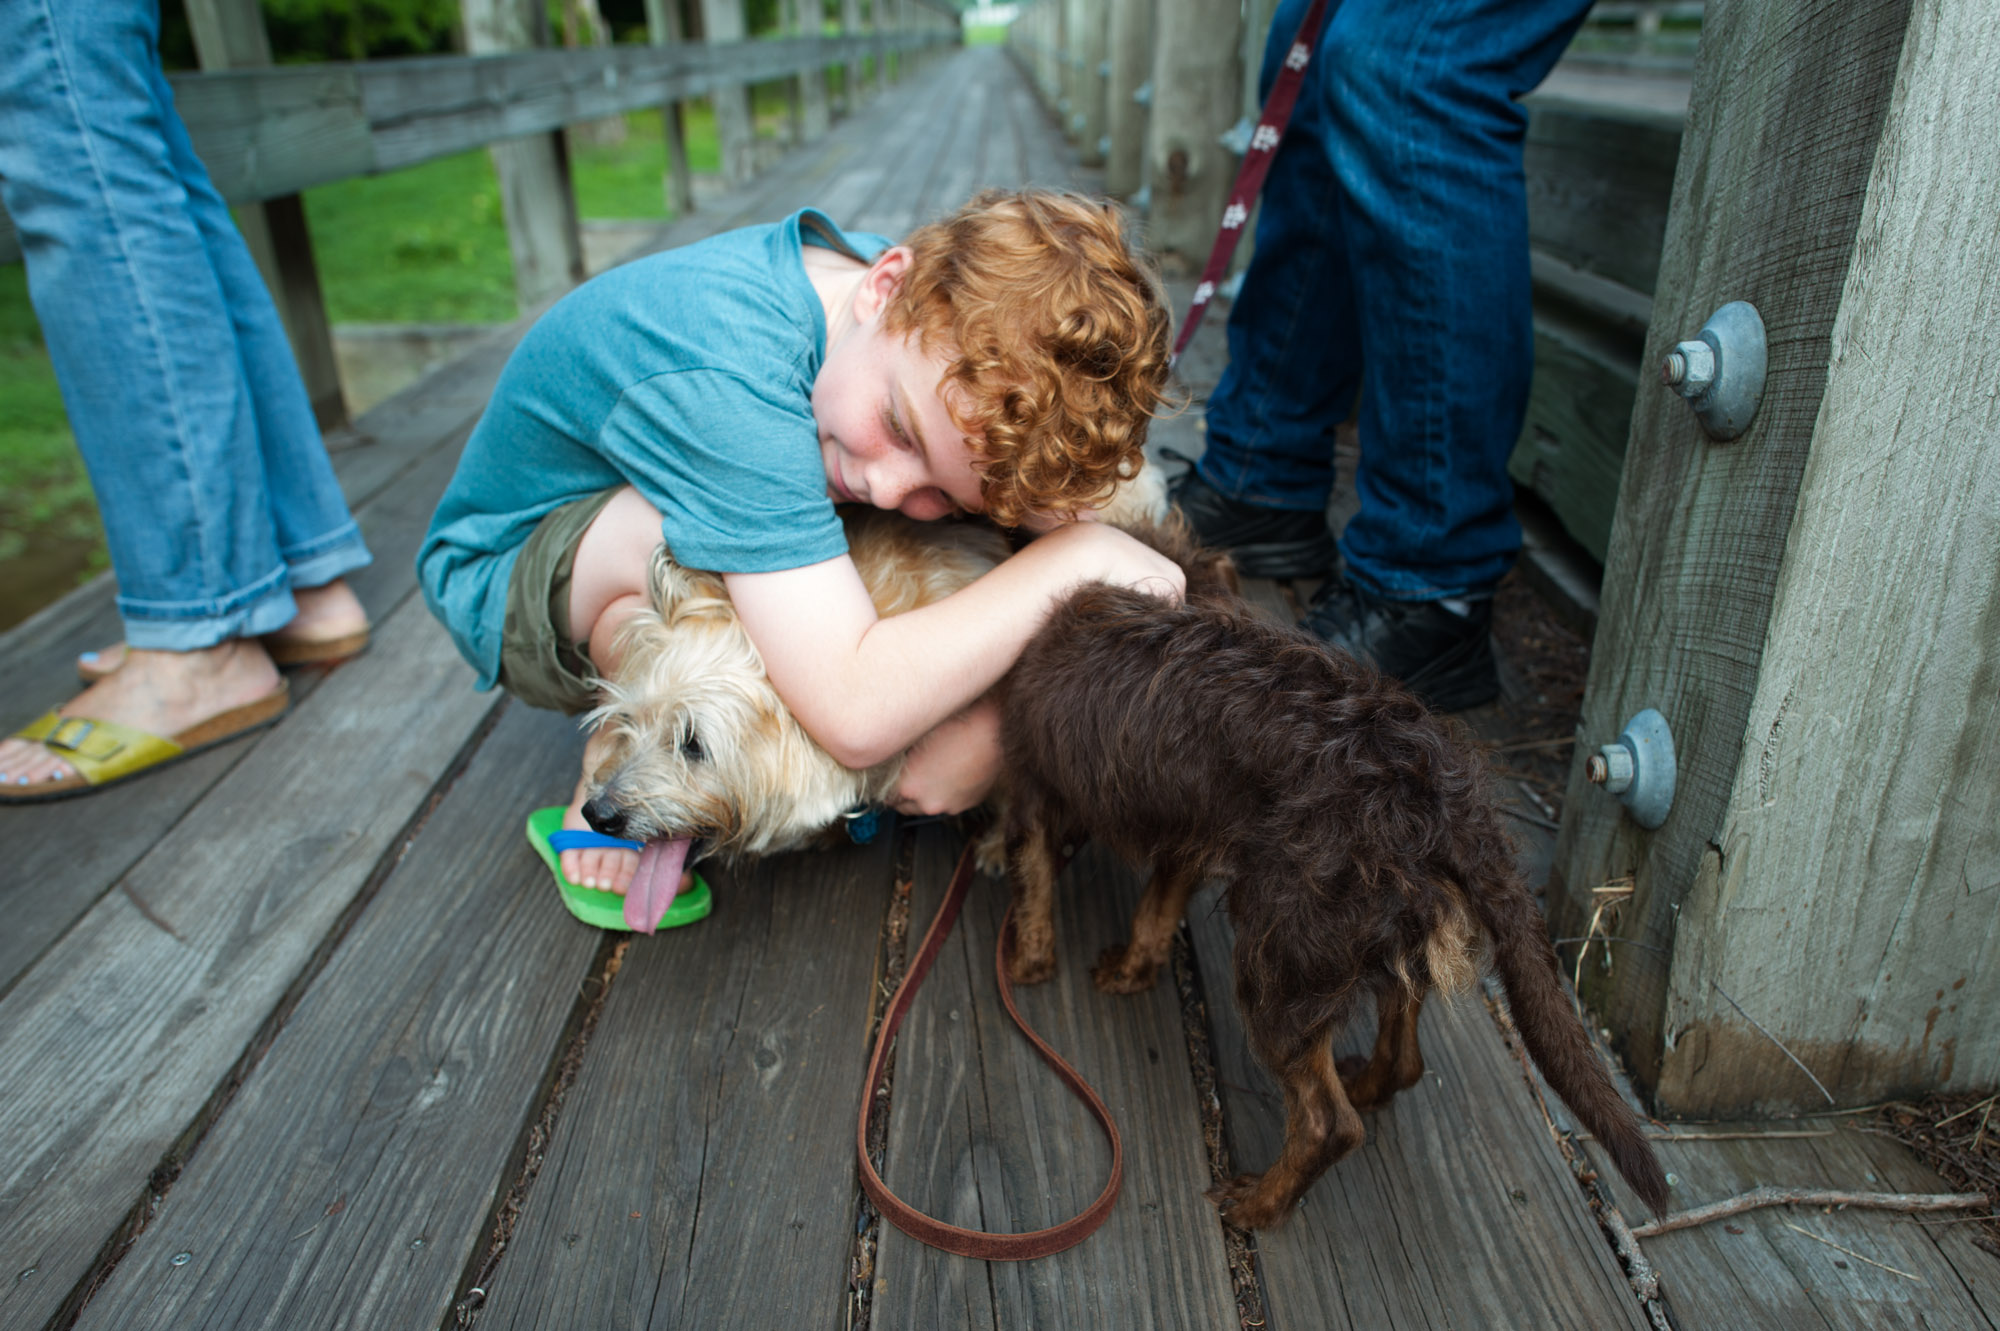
[(990, 851), (1112, 975), (1023, 968), (1245, 1204)]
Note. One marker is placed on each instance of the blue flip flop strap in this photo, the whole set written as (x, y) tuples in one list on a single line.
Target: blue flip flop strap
[(583, 840)]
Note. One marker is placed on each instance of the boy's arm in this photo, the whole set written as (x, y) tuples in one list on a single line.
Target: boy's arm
[(867, 688)]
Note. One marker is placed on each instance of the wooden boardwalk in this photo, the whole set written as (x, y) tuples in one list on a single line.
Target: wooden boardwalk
[(297, 1035)]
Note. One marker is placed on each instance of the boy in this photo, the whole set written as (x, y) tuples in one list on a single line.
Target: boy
[(725, 396)]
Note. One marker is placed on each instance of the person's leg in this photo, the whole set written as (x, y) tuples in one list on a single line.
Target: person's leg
[(1426, 141), (607, 586), (1263, 481), (317, 536), (136, 327)]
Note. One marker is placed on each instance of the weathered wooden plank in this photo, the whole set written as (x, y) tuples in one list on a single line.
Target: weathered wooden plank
[(64, 856), (1197, 83), (983, 1135), (1854, 910), (1600, 178), (353, 1175), (1129, 37), (1761, 593), (1458, 1210), (114, 1041), (1757, 1269), (701, 1173), (1572, 445)]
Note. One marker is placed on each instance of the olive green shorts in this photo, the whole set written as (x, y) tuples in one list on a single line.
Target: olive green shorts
[(538, 662)]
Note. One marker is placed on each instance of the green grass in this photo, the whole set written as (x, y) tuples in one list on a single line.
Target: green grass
[(422, 245)]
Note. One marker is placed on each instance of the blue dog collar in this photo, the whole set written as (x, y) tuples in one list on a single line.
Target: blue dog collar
[(864, 823)]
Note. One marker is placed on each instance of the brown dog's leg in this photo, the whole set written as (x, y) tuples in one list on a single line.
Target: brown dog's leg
[(1397, 1062), (1034, 849), (1133, 968), (1320, 1127)]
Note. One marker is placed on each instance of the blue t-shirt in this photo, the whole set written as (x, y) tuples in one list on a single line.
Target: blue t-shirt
[(687, 375)]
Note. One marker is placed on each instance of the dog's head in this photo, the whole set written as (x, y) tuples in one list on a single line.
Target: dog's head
[(699, 745)]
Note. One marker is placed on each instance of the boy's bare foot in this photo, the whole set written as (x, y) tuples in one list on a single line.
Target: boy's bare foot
[(161, 693), (609, 870), (325, 614)]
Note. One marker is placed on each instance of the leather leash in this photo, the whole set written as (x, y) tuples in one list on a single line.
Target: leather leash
[(974, 1242), (1257, 157)]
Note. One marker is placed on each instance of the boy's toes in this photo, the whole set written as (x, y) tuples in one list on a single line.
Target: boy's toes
[(606, 870)]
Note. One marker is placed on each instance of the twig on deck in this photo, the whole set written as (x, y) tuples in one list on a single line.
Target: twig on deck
[(1530, 818), (1907, 1202), (1606, 895), (1851, 1253), (1768, 1036), (1986, 1104)]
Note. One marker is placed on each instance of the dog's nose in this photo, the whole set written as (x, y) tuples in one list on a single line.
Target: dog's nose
[(604, 816)]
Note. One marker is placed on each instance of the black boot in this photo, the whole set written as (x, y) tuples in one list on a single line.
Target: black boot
[(1443, 656), (1264, 542)]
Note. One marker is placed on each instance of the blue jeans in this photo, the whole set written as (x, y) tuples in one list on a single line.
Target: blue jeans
[(215, 490), (1392, 262)]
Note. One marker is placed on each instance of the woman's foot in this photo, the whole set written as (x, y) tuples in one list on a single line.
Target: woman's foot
[(161, 693), (331, 614)]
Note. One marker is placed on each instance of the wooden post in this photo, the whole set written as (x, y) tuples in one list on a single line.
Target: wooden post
[(808, 20), (1197, 88), (1130, 40), (1815, 607), (1088, 116), (722, 21), (663, 28), (850, 26), (533, 172), (229, 34), (879, 20)]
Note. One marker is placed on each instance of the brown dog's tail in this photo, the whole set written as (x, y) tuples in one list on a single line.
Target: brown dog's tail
[(1557, 1041)]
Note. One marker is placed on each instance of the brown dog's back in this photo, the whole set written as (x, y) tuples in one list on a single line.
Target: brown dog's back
[(1352, 825)]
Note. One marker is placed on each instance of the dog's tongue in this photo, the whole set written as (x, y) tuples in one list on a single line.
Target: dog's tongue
[(654, 886)]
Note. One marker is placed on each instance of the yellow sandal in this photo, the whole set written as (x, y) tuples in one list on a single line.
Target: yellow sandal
[(103, 753)]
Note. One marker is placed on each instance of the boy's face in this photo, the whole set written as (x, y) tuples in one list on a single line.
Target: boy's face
[(885, 435)]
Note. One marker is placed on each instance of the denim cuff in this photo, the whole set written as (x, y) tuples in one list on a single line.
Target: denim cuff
[(320, 562), (263, 608)]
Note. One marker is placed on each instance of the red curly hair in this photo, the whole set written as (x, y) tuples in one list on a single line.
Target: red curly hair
[(1058, 335)]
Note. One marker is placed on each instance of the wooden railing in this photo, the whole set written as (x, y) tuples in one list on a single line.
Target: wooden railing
[(268, 133)]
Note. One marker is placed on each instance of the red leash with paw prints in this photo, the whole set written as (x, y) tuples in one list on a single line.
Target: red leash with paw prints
[(1263, 147)]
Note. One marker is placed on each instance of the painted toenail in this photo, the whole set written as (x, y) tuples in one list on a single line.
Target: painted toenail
[(90, 657)]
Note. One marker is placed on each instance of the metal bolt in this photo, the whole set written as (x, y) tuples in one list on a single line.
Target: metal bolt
[(182, 1258), (1690, 368), (1594, 769)]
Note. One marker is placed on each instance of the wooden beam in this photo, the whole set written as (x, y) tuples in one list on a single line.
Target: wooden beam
[(1812, 606), (663, 28), (1197, 83), (722, 21), (543, 233), (815, 116), (1130, 42), (268, 132), (229, 34)]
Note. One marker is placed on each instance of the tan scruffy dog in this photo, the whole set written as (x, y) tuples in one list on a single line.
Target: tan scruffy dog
[(704, 758), (701, 747)]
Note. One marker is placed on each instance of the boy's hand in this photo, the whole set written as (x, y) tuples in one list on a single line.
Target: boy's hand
[(1100, 553), (954, 766)]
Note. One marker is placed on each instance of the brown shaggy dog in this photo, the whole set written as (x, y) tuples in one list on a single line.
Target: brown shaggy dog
[(1361, 851)]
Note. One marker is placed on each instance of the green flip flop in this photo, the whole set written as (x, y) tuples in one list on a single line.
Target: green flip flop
[(606, 910)]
